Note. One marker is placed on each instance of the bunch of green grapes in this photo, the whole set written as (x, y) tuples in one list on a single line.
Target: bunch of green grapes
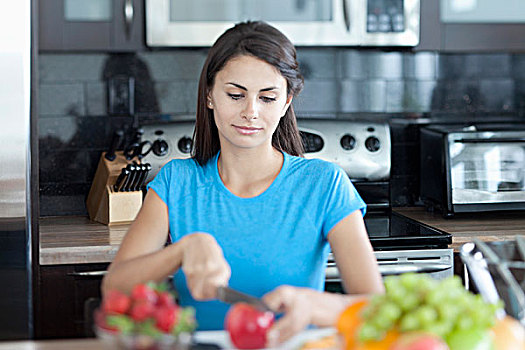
[(417, 302)]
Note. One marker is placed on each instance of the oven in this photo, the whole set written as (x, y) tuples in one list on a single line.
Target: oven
[(363, 150), (473, 168)]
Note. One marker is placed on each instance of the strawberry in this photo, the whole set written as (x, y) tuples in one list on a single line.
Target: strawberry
[(166, 317), (116, 302), (141, 310), (144, 292), (165, 299)]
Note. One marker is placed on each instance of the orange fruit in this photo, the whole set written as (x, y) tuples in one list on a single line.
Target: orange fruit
[(349, 321), (383, 344)]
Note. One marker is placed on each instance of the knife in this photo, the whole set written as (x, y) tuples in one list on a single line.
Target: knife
[(115, 142), (123, 173), (232, 296)]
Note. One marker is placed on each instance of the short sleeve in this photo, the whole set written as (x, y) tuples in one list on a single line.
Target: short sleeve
[(342, 200), (160, 184)]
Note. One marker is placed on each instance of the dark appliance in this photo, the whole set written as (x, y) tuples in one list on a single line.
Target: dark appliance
[(473, 168), (362, 149)]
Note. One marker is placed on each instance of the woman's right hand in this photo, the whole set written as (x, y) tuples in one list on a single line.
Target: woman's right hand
[(203, 265)]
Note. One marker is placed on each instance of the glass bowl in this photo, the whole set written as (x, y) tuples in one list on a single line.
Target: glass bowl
[(118, 340)]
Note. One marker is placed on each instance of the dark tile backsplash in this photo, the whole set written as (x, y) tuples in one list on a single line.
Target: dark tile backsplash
[(75, 125)]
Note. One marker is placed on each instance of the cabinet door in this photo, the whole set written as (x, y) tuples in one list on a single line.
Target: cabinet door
[(75, 24), (66, 297), (483, 25), (94, 25)]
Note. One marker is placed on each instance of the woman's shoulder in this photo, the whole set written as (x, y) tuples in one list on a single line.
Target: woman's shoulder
[(313, 165)]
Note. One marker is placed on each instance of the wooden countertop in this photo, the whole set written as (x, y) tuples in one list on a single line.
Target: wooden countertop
[(78, 240), (488, 227)]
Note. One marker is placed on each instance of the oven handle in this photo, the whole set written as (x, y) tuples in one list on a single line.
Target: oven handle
[(332, 273)]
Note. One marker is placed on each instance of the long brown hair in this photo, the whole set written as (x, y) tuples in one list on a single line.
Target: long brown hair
[(263, 41)]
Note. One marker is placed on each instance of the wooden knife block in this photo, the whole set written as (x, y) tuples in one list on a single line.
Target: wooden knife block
[(103, 204)]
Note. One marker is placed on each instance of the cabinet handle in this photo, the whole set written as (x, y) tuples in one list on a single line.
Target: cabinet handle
[(346, 15), (88, 273), (128, 16)]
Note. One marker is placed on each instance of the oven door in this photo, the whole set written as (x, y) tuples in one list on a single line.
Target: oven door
[(438, 263), (305, 22), (487, 170)]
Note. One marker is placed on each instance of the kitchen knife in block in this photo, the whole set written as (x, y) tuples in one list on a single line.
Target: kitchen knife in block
[(106, 174), (118, 207)]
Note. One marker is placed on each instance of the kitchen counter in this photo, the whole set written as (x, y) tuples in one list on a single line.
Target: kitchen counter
[(464, 227), (78, 240)]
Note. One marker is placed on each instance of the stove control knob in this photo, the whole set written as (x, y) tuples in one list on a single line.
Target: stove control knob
[(159, 147), (185, 144), (348, 142), (372, 144)]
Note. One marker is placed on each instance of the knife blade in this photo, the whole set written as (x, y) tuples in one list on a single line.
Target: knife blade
[(232, 296)]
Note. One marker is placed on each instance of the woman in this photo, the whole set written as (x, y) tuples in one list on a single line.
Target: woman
[(246, 209)]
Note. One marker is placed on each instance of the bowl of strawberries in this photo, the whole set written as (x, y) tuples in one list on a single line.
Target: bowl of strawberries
[(146, 319)]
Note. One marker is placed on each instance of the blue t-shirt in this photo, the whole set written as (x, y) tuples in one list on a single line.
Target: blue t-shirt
[(275, 238)]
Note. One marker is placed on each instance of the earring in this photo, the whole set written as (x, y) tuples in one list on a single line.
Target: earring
[(210, 105)]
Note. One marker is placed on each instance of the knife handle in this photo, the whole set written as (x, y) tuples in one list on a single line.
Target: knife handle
[(115, 142), (120, 180)]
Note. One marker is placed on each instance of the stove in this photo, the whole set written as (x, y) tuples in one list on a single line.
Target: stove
[(363, 150)]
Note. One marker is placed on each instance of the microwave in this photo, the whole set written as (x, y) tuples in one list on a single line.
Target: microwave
[(474, 168), (183, 23)]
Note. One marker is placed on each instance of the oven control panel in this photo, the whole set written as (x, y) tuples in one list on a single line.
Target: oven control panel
[(362, 149)]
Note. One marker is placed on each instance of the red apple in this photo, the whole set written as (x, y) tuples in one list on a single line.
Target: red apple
[(247, 326), (419, 341)]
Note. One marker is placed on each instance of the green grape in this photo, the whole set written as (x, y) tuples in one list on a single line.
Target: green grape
[(426, 315), (409, 322), (464, 322), (447, 311), (390, 311), (409, 302), (369, 332), (440, 328), (410, 280), (434, 297), (382, 323)]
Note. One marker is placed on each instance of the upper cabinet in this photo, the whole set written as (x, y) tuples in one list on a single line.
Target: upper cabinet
[(94, 25), (472, 25)]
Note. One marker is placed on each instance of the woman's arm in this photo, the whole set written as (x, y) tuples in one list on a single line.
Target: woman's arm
[(141, 257), (354, 256)]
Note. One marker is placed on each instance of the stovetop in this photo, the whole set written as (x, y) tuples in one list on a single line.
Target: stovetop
[(392, 231)]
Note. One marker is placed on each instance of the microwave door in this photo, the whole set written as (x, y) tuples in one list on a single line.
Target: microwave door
[(200, 22), (487, 171)]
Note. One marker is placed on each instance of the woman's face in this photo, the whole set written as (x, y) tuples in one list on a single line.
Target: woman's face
[(248, 99)]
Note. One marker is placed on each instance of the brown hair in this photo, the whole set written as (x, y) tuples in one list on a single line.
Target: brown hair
[(263, 41)]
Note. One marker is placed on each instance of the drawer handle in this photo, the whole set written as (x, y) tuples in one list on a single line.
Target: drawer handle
[(88, 273)]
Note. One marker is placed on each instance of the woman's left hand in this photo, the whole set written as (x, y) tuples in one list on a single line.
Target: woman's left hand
[(303, 307), (296, 304)]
